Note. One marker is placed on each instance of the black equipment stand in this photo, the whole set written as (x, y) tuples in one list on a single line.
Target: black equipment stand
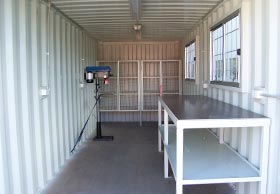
[(99, 136)]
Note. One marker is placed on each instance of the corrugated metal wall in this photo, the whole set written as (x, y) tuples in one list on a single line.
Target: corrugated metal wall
[(260, 60), (113, 51), (36, 134)]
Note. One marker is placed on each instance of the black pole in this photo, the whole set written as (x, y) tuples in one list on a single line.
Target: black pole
[(99, 136), (98, 129)]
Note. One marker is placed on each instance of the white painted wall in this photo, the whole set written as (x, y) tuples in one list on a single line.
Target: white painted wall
[(260, 64), (36, 134)]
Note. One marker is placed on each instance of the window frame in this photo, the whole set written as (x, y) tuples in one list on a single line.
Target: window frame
[(187, 62), (222, 23)]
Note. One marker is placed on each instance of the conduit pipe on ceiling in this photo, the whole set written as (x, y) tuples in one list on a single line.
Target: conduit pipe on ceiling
[(135, 7)]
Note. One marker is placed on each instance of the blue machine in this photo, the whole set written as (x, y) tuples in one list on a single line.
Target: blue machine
[(93, 72), (95, 69)]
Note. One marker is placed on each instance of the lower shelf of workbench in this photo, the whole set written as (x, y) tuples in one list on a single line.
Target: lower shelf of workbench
[(207, 161)]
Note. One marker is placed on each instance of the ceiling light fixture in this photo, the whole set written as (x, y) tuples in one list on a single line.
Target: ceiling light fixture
[(137, 27)]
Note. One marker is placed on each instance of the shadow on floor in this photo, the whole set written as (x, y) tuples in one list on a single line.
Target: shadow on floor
[(130, 164)]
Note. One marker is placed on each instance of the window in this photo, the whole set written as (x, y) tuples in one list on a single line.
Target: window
[(225, 53), (190, 61)]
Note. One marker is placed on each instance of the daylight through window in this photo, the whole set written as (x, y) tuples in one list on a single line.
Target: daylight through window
[(225, 42), (190, 61)]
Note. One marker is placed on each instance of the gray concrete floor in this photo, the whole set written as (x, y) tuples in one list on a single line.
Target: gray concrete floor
[(130, 164)]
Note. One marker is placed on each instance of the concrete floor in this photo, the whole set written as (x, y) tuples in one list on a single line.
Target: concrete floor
[(130, 164)]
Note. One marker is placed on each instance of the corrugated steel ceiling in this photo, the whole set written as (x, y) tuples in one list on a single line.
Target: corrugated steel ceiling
[(113, 20)]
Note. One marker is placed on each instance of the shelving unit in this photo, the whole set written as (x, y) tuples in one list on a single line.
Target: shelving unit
[(170, 77), (109, 98), (129, 85), (136, 85), (195, 155), (151, 84)]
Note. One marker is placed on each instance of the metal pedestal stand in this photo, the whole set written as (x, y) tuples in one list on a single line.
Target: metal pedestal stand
[(99, 136)]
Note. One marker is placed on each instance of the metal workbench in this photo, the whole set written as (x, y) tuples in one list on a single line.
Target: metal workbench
[(195, 154)]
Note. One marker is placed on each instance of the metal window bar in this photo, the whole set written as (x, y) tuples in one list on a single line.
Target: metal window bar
[(229, 27), (190, 61)]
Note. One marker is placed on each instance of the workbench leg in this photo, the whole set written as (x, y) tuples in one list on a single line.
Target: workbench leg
[(166, 169), (165, 144), (159, 125), (179, 157), (264, 159), (165, 128), (159, 141), (179, 188), (221, 136)]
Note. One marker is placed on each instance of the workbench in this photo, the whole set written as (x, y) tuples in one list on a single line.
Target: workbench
[(196, 155)]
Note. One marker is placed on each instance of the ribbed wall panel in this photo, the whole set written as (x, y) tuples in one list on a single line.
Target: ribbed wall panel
[(36, 134), (261, 44), (139, 51), (4, 180)]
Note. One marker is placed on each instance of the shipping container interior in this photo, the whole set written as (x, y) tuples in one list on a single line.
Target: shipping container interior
[(227, 50)]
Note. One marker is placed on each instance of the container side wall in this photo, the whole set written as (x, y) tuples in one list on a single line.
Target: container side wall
[(40, 51), (260, 42)]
